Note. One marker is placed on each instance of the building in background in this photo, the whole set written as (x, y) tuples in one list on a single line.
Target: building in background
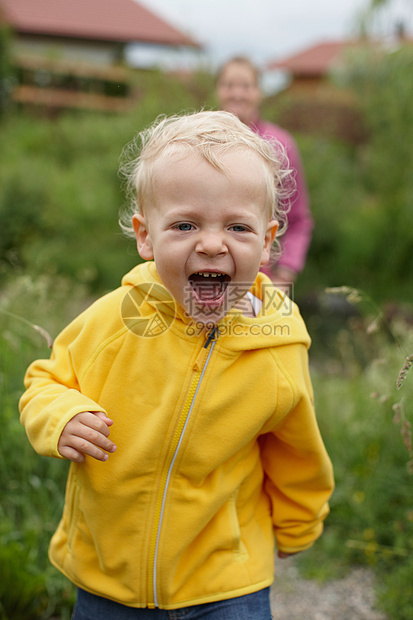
[(309, 71), (313, 99), (74, 54)]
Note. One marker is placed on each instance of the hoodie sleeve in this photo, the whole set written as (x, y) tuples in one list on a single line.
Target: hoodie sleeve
[(298, 470), (52, 397)]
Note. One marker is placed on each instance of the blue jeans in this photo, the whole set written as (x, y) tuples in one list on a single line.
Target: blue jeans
[(254, 606)]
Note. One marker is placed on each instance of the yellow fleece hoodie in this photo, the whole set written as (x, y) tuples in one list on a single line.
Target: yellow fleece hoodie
[(218, 447)]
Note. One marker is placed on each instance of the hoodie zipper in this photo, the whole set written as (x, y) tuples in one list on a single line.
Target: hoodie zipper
[(170, 461)]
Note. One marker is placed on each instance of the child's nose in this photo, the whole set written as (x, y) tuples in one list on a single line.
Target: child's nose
[(212, 244)]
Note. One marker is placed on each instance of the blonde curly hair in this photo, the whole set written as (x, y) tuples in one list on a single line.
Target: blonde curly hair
[(209, 134)]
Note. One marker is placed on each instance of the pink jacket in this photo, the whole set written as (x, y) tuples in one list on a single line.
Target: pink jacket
[(296, 241)]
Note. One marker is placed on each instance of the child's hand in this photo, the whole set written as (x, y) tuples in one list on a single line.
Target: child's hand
[(86, 433)]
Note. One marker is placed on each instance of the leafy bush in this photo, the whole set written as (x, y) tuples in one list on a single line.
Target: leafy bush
[(5, 66), (361, 192), (59, 191), (60, 199), (385, 91)]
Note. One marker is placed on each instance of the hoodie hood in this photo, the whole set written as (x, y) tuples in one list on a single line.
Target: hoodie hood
[(278, 323)]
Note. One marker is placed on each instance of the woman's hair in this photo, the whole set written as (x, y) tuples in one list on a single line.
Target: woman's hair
[(239, 60), (209, 134)]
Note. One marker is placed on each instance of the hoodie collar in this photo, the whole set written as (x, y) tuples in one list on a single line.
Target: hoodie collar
[(278, 322)]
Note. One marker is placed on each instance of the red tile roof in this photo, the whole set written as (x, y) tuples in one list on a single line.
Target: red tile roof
[(104, 20), (316, 60)]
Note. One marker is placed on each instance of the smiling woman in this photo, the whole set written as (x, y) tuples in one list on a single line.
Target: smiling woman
[(238, 91)]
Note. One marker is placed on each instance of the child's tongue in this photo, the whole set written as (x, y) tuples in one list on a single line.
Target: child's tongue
[(208, 288)]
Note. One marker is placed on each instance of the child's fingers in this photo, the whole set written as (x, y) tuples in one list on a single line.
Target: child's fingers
[(86, 434), (71, 454), (104, 417), (97, 423), (82, 446), (92, 430)]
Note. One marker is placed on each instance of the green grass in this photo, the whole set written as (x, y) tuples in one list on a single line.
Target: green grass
[(32, 487), (371, 520)]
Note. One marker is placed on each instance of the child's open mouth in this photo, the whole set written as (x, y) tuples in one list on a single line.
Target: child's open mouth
[(208, 286)]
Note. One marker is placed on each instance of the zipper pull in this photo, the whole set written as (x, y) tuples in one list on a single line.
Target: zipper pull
[(213, 335), (202, 355)]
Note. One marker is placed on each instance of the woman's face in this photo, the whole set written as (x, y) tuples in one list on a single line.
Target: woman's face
[(238, 92)]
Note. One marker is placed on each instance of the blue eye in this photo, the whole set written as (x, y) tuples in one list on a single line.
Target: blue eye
[(239, 228), (185, 226)]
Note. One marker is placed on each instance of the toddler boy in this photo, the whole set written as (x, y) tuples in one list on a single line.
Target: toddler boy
[(183, 398)]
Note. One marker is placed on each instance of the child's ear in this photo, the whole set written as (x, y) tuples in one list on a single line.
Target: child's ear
[(268, 241), (143, 240)]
